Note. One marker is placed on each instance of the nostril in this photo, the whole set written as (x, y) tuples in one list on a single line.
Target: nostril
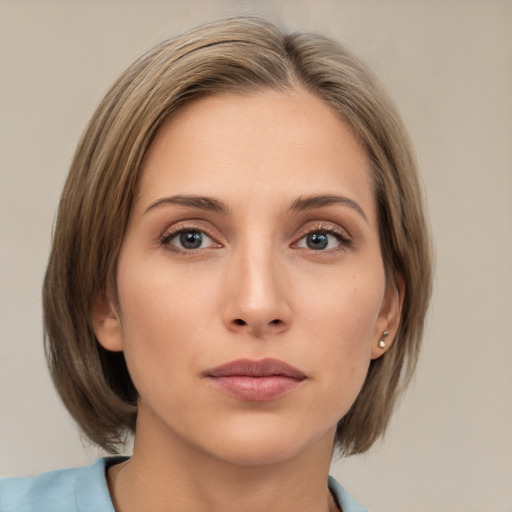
[(240, 322)]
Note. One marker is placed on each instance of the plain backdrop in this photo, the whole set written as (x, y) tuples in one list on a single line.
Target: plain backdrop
[(448, 65)]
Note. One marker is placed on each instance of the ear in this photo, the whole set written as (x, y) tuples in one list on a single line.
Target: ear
[(106, 323), (389, 316)]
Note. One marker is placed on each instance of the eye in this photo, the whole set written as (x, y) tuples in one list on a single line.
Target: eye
[(188, 240), (323, 240)]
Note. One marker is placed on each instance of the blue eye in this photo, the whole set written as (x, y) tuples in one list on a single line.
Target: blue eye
[(188, 240), (317, 241), (191, 239), (322, 240)]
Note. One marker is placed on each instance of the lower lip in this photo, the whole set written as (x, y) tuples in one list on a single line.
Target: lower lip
[(256, 389)]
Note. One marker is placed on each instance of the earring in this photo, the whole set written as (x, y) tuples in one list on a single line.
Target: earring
[(382, 341)]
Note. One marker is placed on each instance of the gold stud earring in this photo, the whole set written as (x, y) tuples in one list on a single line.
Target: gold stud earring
[(382, 341)]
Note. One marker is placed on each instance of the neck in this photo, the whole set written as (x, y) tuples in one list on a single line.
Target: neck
[(167, 474)]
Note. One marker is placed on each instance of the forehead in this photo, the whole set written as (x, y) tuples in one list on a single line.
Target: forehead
[(267, 145)]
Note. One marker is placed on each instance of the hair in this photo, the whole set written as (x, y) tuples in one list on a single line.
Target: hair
[(232, 55)]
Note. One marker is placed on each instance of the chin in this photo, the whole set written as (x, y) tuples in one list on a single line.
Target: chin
[(266, 444), (256, 454)]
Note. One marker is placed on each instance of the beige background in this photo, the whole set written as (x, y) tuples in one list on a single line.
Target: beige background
[(448, 64)]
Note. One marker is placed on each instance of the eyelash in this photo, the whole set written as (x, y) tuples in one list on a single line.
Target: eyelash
[(329, 229), (175, 231), (323, 228)]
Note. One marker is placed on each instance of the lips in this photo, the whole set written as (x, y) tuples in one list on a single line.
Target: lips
[(256, 381)]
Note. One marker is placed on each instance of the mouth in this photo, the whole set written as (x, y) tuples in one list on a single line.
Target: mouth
[(256, 381)]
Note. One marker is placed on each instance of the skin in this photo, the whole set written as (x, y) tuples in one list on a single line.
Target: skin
[(253, 289)]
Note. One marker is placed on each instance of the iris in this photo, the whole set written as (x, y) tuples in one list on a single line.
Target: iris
[(191, 239), (317, 240)]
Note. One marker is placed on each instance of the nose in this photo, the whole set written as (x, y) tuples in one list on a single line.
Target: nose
[(257, 295)]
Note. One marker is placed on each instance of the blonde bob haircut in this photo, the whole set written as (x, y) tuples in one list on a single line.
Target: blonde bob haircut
[(233, 55)]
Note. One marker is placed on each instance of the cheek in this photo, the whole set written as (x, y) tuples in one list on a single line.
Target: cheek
[(163, 317), (160, 299), (170, 315), (343, 308), (342, 321)]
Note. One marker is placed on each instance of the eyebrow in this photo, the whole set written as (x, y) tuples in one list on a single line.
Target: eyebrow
[(214, 205), (201, 202), (319, 201)]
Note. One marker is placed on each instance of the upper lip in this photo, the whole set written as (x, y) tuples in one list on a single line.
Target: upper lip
[(263, 368)]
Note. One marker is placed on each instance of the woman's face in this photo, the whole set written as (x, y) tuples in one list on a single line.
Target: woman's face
[(251, 286)]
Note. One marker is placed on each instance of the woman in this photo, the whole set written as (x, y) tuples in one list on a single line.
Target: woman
[(239, 276)]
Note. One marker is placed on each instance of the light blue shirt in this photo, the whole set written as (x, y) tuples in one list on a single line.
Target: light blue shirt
[(85, 490)]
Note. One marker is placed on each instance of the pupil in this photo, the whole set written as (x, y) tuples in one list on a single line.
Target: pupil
[(191, 239), (317, 241)]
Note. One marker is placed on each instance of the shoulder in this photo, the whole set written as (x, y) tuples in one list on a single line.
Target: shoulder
[(67, 490), (348, 504)]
